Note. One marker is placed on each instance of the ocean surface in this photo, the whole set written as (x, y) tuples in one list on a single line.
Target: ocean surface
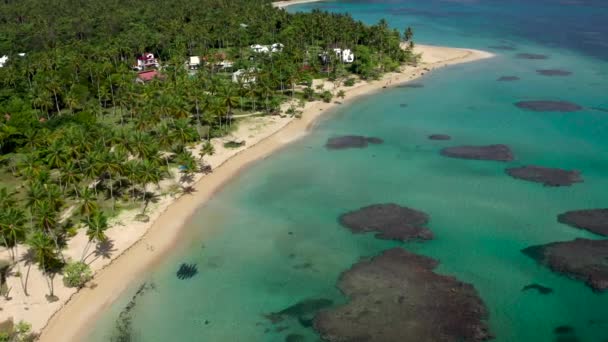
[(271, 238)]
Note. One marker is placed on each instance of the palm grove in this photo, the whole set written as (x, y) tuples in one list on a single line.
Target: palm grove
[(80, 140)]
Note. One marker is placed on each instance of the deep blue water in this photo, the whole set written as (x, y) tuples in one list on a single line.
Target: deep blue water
[(274, 235)]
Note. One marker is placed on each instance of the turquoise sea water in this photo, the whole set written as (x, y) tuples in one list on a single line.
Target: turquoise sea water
[(275, 239)]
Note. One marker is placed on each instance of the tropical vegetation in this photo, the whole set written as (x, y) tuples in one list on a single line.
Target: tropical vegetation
[(80, 139)]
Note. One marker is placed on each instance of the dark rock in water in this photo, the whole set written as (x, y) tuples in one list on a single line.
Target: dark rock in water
[(303, 311), (549, 106), (593, 220), (563, 329), (411, 85), (582, 259), (605, 110), (186, 271), (541, 289), (545, 175), (390, 221), (487, 152), (396, 296), (375, 141), (531, 56), (503, 47), (508, 78), (439, 137), (294, 338), (553, 72), (351, 141), (403, 105)]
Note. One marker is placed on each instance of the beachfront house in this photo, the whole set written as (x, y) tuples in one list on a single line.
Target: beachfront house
[(146, 61), (345, 55), (276, 47), (194, 62), (147, 76), (244, 76)]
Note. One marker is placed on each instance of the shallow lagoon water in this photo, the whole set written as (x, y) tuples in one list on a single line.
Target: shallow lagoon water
[(271, 238)]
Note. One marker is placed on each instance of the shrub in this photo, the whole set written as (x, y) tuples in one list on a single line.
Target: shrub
[(349, 82), (234, 144), (76, 274), (327, 96)]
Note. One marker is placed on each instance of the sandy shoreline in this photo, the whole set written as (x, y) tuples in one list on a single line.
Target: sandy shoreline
[(72, 318), (282, 4)]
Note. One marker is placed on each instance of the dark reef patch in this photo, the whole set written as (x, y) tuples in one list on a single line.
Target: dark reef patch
[(553, 72), (439, 137), (593, 220), (303, 311), (600, 109), (508, 78), (186, 271), (390, 221), (581, 259), (485, 152), (545, 175), (351, 141), (503, 47), (396, 296), (548, 106), (535, 56), (294, 338), (403, 105), (563, 329), (541, 289), (124, 324), (411, 85)]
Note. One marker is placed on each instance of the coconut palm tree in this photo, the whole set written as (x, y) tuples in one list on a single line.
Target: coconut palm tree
[(96, 224), (45, 254)]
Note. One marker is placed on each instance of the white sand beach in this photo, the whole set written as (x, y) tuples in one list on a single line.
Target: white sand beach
[(137, 246)]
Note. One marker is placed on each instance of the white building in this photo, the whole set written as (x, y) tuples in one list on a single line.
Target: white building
[(244, 76), (346, 55), (194, 62), (146, 61), (3, 60), (276, 47), (225, 64)]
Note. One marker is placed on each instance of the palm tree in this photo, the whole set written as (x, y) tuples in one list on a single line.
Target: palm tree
[(12, 228), (228, 98), (88, 202), (183, 132), (70, 175), (148, 173), (96, 224), (45, 255)]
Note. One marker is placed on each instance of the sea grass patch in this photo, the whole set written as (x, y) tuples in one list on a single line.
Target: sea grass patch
[(539, 288), (496, 152), (186, 271), (593, 220), (396, 296), (545, 175), (403, 105), (303, 311), (439, 137), (503, 47), (581, 259), (553, 72), (533, 56), (508, 78), (390, 222), (351, 141), (548, 106), (411, 85)]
